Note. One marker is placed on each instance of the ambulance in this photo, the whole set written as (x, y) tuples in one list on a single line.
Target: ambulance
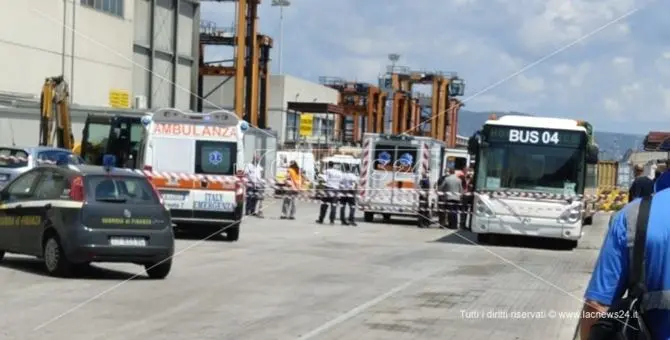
[(195, 161), (391, 170)]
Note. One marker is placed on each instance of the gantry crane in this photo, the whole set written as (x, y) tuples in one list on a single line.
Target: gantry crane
[(251, 63), (407, 108), (365, 103)]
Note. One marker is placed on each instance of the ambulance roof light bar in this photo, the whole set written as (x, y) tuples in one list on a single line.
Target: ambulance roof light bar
[(172, 114)]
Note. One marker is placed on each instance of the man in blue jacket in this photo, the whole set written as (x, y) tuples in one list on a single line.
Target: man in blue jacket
[(609, 278)]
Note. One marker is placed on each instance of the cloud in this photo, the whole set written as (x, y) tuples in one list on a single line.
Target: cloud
[(620, 74)]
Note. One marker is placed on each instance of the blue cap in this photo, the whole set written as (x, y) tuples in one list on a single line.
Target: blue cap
[(108, 161), (63, 159)]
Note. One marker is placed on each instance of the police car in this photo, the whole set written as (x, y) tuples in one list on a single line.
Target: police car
[(72, 215)]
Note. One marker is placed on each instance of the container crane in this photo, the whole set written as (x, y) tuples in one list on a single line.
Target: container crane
[(364, 102), (55, 120)]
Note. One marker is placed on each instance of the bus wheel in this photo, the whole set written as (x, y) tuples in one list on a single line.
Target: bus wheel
[(368, 216), (570, 244), (483, 238), (588, 220)]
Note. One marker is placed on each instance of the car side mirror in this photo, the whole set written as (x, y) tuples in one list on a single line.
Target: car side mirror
[(592, 154)]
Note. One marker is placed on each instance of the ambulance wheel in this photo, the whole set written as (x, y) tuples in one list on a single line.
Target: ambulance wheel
[(233, 233), (368, 216), (483, 238)]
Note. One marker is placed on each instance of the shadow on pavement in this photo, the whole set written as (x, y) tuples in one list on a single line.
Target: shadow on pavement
[(468, 238), (36, 266)]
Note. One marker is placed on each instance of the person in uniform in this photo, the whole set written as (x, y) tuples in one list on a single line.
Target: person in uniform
[(332, 182), (254, 175), (348, 198)]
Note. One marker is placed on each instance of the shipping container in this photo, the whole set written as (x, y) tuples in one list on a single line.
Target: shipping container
[(607, 174), (625, 175)]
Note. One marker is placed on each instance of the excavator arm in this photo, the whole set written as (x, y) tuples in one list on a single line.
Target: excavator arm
[(55, 120)]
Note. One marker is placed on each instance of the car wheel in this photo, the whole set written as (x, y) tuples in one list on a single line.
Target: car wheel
[(368, 217), (232, 233), (55, 261), (158, 270), (386, 217)]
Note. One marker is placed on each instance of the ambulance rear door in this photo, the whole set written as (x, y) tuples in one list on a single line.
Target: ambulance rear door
[(196, 157)]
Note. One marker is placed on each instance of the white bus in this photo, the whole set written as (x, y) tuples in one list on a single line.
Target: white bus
[(541, 164)]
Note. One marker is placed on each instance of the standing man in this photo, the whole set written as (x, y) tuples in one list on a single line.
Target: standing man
[(255, 184), (292, 189), (610, 277), (451, 191), (642, 185), (424, 194), (663, 181), (348, 198), (332, 182)]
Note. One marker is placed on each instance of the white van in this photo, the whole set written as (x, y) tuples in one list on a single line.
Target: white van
[(193, 159), (391, 170)]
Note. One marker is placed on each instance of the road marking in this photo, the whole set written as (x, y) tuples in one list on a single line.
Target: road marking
[(370, 303)]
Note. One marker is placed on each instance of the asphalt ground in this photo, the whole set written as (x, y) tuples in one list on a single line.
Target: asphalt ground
[(299, 280)]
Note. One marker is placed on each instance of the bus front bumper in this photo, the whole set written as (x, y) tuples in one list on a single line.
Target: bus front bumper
[(528, 226)]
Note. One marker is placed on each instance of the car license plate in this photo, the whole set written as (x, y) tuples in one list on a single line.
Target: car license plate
[(128, 241)]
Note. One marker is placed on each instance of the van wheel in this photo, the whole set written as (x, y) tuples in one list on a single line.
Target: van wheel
[(158, 271), (232, 233), (55, 261), (368, 217)]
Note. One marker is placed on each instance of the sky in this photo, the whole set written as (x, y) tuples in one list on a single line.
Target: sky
[(605, 61)]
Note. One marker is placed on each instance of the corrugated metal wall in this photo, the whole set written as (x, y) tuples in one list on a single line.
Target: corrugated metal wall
[(166, 34), (607, 174)]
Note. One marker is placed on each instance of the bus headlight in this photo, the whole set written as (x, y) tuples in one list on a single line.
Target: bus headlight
[(570, 216)]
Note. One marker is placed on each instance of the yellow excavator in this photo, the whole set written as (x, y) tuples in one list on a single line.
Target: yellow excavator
[(102, 133), (55, 122)]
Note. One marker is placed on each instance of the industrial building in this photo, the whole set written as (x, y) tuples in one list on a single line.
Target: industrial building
[(116, 45), (283, 89)]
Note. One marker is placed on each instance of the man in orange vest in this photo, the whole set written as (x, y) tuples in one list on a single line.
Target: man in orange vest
[(294, 185)]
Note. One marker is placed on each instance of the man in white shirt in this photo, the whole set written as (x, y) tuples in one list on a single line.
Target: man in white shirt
[(332, 182), (255, 185), (349, 180)]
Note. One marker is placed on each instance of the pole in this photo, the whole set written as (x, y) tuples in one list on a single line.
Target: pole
[(281, 38)]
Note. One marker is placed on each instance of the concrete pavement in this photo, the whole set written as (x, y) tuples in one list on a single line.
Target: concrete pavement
[(296, 279)]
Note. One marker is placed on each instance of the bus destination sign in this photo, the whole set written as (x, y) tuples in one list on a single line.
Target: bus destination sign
[(533, 136)]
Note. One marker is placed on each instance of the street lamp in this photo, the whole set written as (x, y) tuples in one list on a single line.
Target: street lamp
[(281, 4)]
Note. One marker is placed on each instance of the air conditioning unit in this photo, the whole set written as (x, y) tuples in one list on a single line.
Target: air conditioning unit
[(140, 102)]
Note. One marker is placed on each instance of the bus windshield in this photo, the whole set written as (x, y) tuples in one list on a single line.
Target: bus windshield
[(536, 168)]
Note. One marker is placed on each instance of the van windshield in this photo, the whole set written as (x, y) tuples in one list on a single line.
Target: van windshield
[(215, 158)]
